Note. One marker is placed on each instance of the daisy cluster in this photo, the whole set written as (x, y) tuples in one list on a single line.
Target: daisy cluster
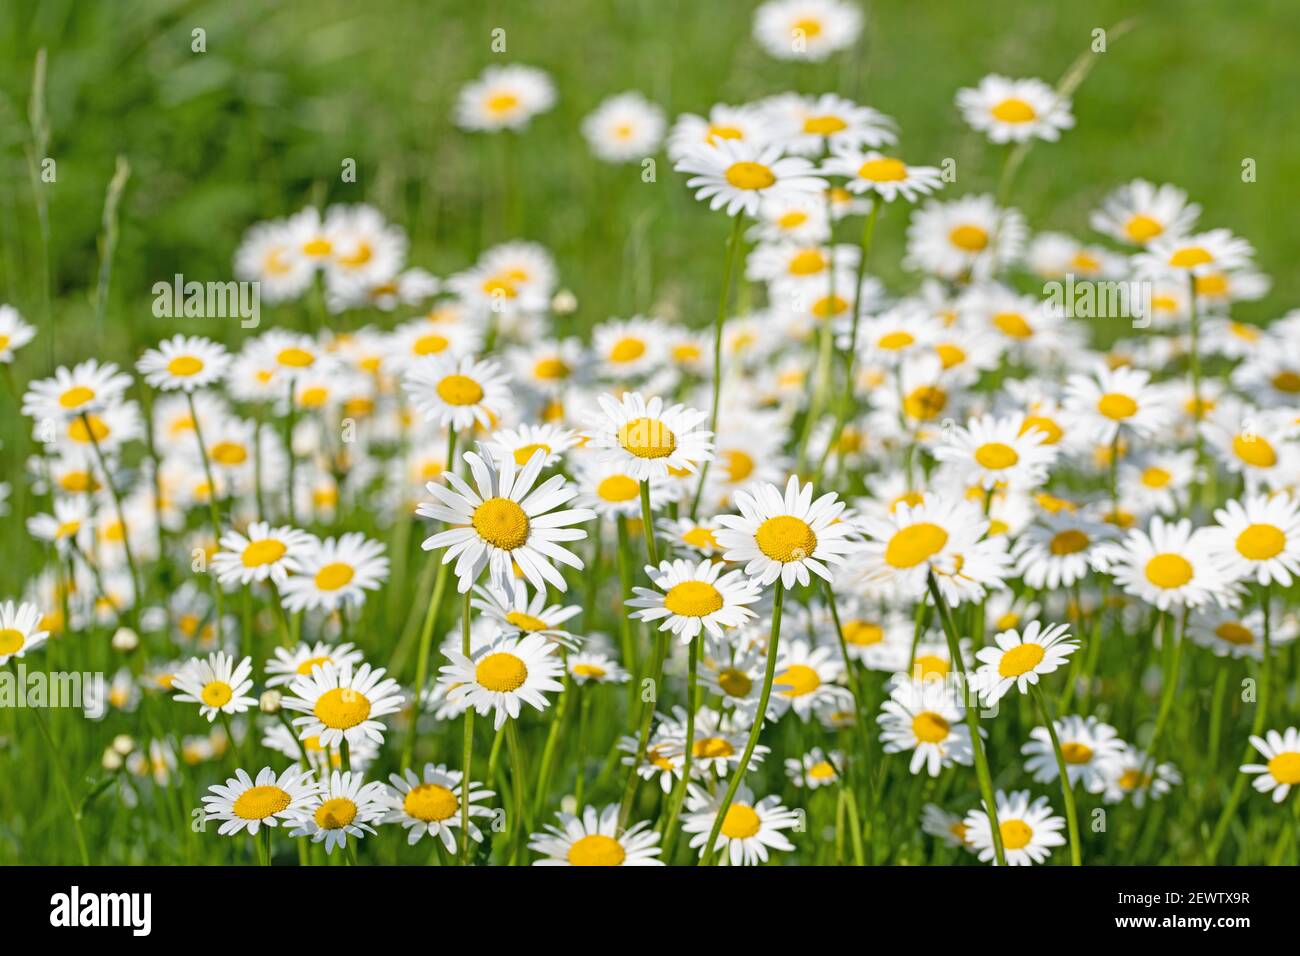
[(447, 542)]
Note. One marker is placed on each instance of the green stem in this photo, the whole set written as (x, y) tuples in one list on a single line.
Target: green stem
[(648, 525), (1067, 789), (679, 792), (468, 754)]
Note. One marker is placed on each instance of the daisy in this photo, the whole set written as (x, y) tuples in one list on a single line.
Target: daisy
[(217, 685), (694, 598), (664, 759), (269, 254), (925, 717), (184, 362), (611, 492), (1019, 658), (504, 97), (884, 176), (785, 537), (595, 667), (430, 804), (717, 744), (339, 704), (740, 176), (749, 830), (14, 333), (624, 128), (880, 641), (735, 673), (88, 387), (1058, 550), (1107, 400), (948, 827), (457, 393), (823, 123), (1259, 538), (596, 839), (1028, 830), (262, 553), (1282, 771), (745, 123), (1138, 212), (1260, 450), (1230, 632), (290, 356), (808, 678), (806, 29), (19, 630), (1013, 111), (507, 605), (815, 768), (648, 439), (1157, 481), (335, 572), (696, 537), (548, 366), (505, 522), (412, 342), (344, 806), (1091, 750), (800, 220), (1169, 566), (628, 348), (1272, 377), (1196, 255), (1133, 775), (997, 453), (963, 238), (523, 442), (248, 803), (499, 677)]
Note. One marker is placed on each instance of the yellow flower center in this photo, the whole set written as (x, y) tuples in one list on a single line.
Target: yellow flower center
[(588, 670), (950, 355), (1255, 450), (747, 175), (996, 456), (550, 369), (914, 544), (647, 438), (798, 680), (822, 770), (76, 396), (785, 538), (929, 727), (335, 814), (499, 104), (1235, 633), (1169, 570), (1069, 541), (808, 27), (617, 488), (1013, 325), (1016, 834), (501, 673), (1117, 406), (460, 390), (217, 694), (863, 633), (258, 803), (707, 747), (627, 350), (1156, 477), (526, 622), (1285, 768), (11, 641), (740, 823), (342, 708), (501, 523), (265, 551), (1259, 542), (1211, 285), (319, 246), (807, 262), (311, 663), (883, 170), (969, 238), (734, 683), (596, 849), (1142, 228), (430, 802), (430, 344), (524, 453), (1014, 110), (893, 341), (1288, 382), (1075, 752), (1131, 779), (693, 599), (724, 132), (792, 219), (739, 465), (1189, 257), (334, 576), (229, 453), (824, 125), (78, 431), (1020, 659), (295, 357), (185, 365)]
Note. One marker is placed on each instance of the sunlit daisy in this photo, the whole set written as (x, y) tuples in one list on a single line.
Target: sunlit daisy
[(1258, 538), (217, 684), (815, 769), (868, 171), (925, 717), (335, 572), (806, 29), (14, 333), (596, 839), (692, 598), (808, 678), (1028, 830), (739, 176), (90, 386), (997, 452), (1133, 775), (1282, 772), (1110, 399), (967, 237), (1058, 550), (523, 442), (1091, 750), (509, 606), (301, 660), (430, 804), (184, 362), (457, 393), (504, 97), (1138, 212), (648, 438), (20, 630), (244, 802), (624, 128), (750, 830), (500, 677), (262, 553), (1196, 255), (1012, 111), (341, 704), (345, 806)]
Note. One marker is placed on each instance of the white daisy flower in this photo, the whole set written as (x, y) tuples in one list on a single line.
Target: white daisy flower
[(699, 538), (694, 598), (595, 839), (806, 29), (948, 827), (1196, 255), (749, 831), (746, 123), (262, 553), (1258, 539), (826, 122), (217, 684), (808, 679), (335, 572), (270, 255), (1107, 400), (1169, 566), (1138, 212), (785, 537), (430, 804), (184, 362), (341, 704), (522, 442), (1232, 632), (1091, 750), (507, 605), (1282, 772), (739, 176), (647, 438), (1134, 776), (815, 769), (499, 677), (624, 128), (90, 386), (269, 800), (593, 666), (926, 717), (1028, 830), (1058, 550), (627, 348), (504, 97), (19, 630), (457, 393), (868, 171), (964, 238), (345, 806), (717, 744), (14, 333), (1013, 111), (505, 522), (997, 453)]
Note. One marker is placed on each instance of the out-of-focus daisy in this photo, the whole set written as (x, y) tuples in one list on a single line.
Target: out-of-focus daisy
[(1058, 549), (506, 521), (1138, 212), (504, 97), (1020, 658), (807, 678), (595, 667), (785, 536), (746, 123), (815, 768), (184, 362), (806, 29), (1258, 538), (750, 830), (1133, 775), (1111, 399), (595, 839), (948, 827), (1196, 255), (692, 598), (501, 676), (335, 572), (14, 333), (698, 537), (90, 386), (19, 630), (269, 255), (925, 717), (1231, 632), (457, 393), (647, 438), (507, 604), (1012, 111), (1091, 750), (304, 658), (430, 804), (1028, 830), (345, 806), (339, 703), (1157, 481), (1282, 772), (868, 171), (628, 348), (1170, 565), (217, 684), (624, 128), (244, 802), (261, 553), (523, 442), (826, 122), (1259, 449), (963, 238), (738, 176), (997, 452)]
